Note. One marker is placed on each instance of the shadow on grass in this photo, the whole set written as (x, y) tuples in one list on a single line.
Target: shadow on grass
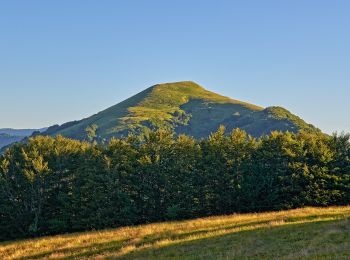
[(292, 241), (151, 239), (115, 246)]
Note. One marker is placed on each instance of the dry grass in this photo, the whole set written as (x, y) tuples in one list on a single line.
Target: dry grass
[(294, 234)]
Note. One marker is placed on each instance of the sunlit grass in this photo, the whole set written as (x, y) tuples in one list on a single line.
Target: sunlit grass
[(158, 102), (165, 99), (300, 233)]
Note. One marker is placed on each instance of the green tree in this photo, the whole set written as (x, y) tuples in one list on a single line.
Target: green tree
[(91, 135)]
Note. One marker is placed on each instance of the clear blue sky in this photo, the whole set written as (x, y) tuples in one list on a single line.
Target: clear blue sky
[(64, 60)]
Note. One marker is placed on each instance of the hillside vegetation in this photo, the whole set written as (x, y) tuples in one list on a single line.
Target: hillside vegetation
[(308, 233), (183, 107), (57, 185)]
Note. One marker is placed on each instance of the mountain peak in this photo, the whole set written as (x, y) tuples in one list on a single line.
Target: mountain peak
[(182, 87), (185, 83), (185, 107)]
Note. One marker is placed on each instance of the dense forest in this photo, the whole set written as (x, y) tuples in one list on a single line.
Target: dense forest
[(56, 185)]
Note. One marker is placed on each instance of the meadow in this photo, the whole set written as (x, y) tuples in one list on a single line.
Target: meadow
[(306, 233)]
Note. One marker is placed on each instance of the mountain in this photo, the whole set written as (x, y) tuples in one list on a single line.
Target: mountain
[(20, 132), (186, 108), (6, 139), (9, 135)]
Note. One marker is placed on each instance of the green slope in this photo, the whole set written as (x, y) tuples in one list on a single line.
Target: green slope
[(308, 233), (186, 108)]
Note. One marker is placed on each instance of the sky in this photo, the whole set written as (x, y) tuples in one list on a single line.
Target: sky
[(66, 60)]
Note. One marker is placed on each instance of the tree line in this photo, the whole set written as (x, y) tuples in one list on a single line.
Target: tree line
[(56, 185)]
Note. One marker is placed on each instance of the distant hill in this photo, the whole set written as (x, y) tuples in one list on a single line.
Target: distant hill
[(6, 139), (20, 132), (186, 108), (9, 135)]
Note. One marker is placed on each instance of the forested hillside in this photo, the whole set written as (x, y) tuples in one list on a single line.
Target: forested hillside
[(58, 185)]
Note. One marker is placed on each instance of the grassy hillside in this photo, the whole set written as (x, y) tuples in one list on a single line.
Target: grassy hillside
[(322, 233), (186, 108)]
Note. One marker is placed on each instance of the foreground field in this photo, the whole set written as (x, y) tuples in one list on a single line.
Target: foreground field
[(301, 233)]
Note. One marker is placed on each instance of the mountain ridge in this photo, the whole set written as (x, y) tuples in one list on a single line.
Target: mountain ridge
[(9, 136), (184, 107)]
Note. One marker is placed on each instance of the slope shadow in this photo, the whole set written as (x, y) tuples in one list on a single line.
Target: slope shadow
[(296, 240), (177, 244)]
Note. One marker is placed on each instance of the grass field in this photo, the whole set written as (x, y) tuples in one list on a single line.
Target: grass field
[(308, 233)]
